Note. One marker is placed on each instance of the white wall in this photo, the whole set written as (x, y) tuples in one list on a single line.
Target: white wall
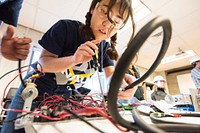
[(185, 83)]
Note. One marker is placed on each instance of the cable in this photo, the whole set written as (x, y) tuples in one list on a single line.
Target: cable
[(156, 117), (12, 71), (172, 127), (145, 127), (13, 120), (125, 60), (75, 115), (101, 88), (95, 60), (181, 128), (20, 74)]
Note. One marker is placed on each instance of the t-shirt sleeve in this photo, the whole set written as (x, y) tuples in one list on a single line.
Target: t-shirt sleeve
[(53, 40)]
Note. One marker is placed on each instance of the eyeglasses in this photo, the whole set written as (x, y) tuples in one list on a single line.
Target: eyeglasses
[(117, 22)]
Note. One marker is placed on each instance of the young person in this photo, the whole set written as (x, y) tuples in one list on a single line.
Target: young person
[(139, 94), (133, 70), (69, 52), (195, 73), (12, 48), (159, 89)]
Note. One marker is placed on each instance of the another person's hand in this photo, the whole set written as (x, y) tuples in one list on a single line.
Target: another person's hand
[(14, 48), (127, 94)]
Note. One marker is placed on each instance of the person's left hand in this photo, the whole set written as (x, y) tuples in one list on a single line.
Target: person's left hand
[(14, 48), (128, 94)]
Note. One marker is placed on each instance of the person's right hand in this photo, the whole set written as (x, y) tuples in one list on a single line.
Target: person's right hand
[(85, 51), (14, 48), (127, 94)]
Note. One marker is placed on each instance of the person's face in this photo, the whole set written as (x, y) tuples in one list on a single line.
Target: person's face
[(101, 26), (198, 64), (160, 83)]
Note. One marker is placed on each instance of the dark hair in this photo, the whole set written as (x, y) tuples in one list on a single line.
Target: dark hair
[(86, 31)]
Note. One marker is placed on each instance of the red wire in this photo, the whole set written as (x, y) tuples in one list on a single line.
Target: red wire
[(80, 108), (4, 92)]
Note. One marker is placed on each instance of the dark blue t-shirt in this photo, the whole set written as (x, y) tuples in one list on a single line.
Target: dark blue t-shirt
[(63, 39)]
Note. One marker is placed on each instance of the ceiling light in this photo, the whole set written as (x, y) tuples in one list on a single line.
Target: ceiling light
[(140, 11), (178, 56)]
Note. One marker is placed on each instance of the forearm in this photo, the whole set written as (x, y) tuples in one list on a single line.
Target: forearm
[(51, 64), (109, 70)]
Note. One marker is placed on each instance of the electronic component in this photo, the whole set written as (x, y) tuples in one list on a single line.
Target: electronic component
[(195, 94), (182, 99)]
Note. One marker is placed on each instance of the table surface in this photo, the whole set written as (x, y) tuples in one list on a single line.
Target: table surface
[(75, 125)]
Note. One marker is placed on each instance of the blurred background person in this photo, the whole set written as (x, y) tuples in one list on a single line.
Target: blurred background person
[(133, 70), (139, 92), (159, 88), (195, 73)]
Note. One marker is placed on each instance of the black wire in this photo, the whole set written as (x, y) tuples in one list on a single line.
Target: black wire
[(75, 115), (172, 126), (125, 60), (175, 127), (12, 120), (154, 117), (145, 127), (180, 128), (12, 71), (20, 74)]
